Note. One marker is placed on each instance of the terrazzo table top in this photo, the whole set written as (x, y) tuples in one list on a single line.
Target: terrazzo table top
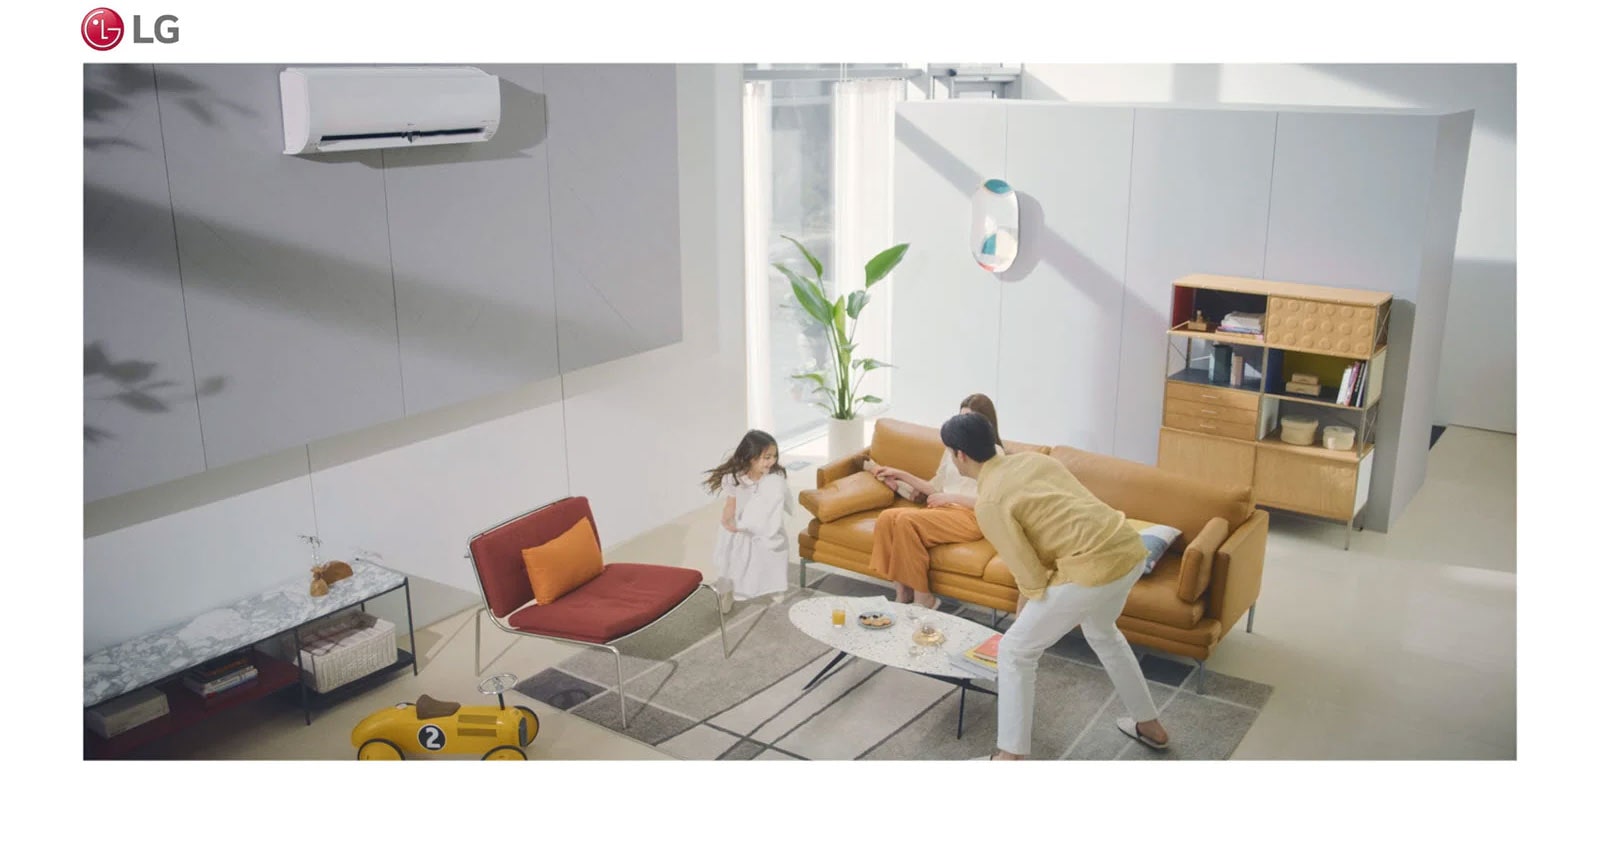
[(122, 668), (891, 646)]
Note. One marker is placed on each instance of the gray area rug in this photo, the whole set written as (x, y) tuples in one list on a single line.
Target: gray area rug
[(686, 699)]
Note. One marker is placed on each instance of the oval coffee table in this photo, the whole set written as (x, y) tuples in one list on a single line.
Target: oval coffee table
[(893, 646)]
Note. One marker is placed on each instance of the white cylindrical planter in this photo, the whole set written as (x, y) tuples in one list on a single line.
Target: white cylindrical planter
[(845, 437)]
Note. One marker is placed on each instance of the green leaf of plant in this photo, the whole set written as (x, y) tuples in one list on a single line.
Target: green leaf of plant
[(810, 258), (884, 261), (858, 300), (871, 364), (872, 399), (838, 319), (809, 296)]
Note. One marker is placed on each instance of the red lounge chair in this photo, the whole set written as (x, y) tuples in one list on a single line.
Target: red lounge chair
[(625, 599)]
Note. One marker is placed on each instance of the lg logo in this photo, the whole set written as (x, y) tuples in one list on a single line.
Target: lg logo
[(102, 29)]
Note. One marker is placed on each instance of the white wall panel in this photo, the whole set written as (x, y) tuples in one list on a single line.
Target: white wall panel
[(469, 228), (417, 505), (1349, 204), (148, 576), (1062, 301), (141, 419), (1201, 180), (946, 315)]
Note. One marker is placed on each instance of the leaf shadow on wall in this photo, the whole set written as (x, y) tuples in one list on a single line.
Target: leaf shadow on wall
[(133, 383), (109, 90), (480, 325)]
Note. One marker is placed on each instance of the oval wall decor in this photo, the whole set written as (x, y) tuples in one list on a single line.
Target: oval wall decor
[(994, 225)]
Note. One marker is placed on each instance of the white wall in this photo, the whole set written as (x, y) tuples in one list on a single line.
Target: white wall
[(1116, 202), (632, 435), (1477, 382)]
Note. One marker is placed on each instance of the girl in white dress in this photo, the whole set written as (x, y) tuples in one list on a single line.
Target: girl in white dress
[(751, 557)]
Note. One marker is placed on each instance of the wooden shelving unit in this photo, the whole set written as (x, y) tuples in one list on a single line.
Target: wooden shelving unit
[(1230, 434)]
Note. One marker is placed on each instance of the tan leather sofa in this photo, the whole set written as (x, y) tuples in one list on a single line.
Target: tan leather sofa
[(1199, 590)]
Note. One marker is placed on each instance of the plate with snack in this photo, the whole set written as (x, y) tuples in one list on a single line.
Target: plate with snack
[(875, 620)]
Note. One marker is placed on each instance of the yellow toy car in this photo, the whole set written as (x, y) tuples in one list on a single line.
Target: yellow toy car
[(442, 727)]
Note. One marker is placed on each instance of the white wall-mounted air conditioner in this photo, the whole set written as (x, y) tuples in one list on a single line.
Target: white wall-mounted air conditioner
[(329, 109)]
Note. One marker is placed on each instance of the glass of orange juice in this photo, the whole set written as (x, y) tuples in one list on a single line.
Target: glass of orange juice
[(838, 616)]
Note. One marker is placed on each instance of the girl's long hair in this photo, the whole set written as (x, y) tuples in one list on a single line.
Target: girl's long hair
[(980, 404), (748, 450)]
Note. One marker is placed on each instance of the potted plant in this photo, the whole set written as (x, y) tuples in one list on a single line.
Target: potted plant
[(835, 388)]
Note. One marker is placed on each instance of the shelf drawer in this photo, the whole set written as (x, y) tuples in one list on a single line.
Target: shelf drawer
[(1203, 425), (1215, 395), (1211, 412)]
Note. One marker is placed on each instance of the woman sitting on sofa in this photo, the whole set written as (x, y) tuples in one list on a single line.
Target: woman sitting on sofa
[(904, 537)]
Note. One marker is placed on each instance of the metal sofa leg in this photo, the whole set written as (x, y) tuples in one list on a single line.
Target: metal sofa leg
[(802, 573), (1250, 621), (621, 698), (1200, 681)]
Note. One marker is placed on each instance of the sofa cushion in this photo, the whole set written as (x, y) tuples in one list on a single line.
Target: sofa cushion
[(1155, 597), (963, 558), (1154, 495), (913, 448), (997, 572), (624, 598), (851, 531), (857, 492)]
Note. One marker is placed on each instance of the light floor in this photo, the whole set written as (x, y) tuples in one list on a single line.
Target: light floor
[(1403, 647)]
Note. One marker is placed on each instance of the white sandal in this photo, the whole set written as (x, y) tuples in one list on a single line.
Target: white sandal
[(1131, 728)]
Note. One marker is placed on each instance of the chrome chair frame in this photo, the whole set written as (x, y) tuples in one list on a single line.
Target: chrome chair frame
[(477, 619)]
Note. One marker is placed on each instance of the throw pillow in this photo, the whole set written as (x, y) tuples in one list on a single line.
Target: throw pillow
[(564, 563), (1157, 539), (901, 488)]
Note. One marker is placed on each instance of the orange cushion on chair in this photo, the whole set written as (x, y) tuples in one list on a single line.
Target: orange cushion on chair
[(564, 563)]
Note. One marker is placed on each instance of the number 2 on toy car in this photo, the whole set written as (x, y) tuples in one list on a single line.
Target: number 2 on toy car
[(430, 737)]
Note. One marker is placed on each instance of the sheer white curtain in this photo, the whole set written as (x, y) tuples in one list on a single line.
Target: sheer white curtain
[(864, 192), (757, 219), (818, 159)]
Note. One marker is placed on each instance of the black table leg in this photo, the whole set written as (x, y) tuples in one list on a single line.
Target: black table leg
[(300, 677), (961, 712), (411, 631), (824, 672)]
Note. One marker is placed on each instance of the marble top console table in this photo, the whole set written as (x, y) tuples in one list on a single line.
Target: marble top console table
[(164, 655)]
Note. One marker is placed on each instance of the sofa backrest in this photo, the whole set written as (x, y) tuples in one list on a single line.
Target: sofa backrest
[(1159, 496), (913, 448), (497, 552), (918, 449)]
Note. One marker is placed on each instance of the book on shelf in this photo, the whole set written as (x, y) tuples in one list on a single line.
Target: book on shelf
[(207, 688), (1358, 398), (222, 666), (1347, 383)]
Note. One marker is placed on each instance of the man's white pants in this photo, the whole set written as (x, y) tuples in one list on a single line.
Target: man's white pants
[(1044, 621)]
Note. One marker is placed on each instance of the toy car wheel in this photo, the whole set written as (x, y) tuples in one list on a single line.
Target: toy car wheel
[(379, 749), (505, 752), (533, 722)]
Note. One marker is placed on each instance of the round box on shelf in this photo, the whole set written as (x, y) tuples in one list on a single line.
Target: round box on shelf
[(1298, 430), (1339, 437)]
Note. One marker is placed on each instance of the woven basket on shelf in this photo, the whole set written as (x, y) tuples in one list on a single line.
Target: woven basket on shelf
[(346, 649)]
